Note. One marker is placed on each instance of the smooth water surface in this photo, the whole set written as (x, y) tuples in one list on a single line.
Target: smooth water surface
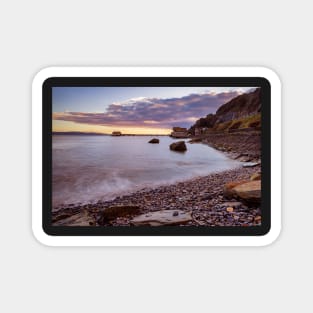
[(92, 168)]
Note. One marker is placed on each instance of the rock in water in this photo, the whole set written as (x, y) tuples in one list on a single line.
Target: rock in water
[(179, 146), (250, 192), (154, 140), (162, 218), (113, 212)]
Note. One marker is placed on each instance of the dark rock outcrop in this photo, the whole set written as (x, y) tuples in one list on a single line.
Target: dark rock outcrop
[(179, 132), (113, 212), (249, 192)]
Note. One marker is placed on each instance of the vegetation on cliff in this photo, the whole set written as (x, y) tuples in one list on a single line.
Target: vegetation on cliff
[(243, 111)]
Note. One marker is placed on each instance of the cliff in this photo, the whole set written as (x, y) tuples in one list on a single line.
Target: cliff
[(243, 111)]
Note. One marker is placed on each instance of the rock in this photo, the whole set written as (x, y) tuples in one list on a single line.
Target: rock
[(251, 164), (245, 159), (154, 140), (80, 219), (179, 146), (250, 192), (194, 140), (230, 209), (228, 188), (256, 176), (179, 132), (61, 216), (113, 212), (162, 218)]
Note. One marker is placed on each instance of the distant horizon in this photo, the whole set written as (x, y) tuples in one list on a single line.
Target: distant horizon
[(135, 110), (104, 134)]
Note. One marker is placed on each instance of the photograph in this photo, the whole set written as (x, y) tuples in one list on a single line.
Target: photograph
[(156, 156)]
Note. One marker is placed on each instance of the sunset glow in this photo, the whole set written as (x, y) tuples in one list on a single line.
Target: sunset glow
[(134, 110), (64, 126)]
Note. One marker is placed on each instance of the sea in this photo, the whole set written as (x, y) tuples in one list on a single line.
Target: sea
[(89, 168)]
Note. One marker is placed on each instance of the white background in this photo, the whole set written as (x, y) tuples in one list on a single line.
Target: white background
[(36, 34)]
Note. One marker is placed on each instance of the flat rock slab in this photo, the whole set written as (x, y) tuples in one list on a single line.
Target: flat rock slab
[(229, 188), (80, 219), (250, 164), (162, 218), (250, 191)]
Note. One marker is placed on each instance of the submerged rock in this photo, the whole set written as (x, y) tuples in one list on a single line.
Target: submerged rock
[(179, 146), (162, 218), (154, 140)]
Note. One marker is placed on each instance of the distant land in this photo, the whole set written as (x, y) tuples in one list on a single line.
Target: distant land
[(79, 134), (99, 134)]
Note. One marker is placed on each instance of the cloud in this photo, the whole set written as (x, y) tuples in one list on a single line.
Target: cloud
[(155, 112)]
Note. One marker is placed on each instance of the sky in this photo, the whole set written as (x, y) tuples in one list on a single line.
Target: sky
[(135, 110)]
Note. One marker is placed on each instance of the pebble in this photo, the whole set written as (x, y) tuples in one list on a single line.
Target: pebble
[(203, 196)]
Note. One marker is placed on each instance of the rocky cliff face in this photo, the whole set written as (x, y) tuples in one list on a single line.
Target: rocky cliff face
[(242, 107)]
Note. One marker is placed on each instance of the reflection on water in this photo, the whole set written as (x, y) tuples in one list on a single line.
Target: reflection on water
[(92, 168)]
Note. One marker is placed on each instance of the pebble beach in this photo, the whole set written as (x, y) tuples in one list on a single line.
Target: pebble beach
[(201, 197)]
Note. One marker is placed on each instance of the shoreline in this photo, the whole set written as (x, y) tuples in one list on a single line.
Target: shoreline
[(242, 146), (202, 197)]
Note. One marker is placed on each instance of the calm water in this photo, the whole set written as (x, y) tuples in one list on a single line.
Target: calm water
[(92, 168)]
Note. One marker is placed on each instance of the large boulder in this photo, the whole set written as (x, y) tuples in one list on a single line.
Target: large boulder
[(154, 140), (228, 188), (179, 146), (249, 192), (162, 218), (113, 212)]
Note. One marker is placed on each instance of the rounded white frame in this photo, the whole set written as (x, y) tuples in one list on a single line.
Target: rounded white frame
[(38, 231)]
